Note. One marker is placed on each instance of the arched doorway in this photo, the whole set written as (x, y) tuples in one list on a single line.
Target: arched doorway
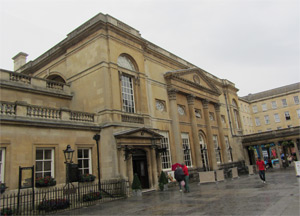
[(140, 166), (203, 148)]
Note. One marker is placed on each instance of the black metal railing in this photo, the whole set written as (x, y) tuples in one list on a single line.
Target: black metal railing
[(52, 200)]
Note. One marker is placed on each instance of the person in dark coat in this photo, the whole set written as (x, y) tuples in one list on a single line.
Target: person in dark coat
[(179, 176)]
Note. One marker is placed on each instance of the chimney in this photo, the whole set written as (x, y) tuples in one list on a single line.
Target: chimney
[(19, 60)]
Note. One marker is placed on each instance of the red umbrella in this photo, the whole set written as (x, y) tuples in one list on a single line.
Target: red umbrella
[(174, 166)]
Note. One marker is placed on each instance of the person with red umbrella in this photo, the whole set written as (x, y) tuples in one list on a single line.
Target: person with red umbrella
[(179, 176), (186, 178)]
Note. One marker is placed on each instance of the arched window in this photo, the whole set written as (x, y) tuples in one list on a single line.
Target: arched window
[(203, 149), (56, 78), (127, 82), (126, 62)]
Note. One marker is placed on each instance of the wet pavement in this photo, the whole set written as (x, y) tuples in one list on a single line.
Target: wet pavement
[(246, 195)]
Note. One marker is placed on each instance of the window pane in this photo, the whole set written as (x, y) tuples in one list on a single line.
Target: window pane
[(38, 166), (47, 166), (47, 154), (37, 175), (86, 153), (47, 174), (79, 153), (79, 163), (86, 171), (86, 163), (39, 154)]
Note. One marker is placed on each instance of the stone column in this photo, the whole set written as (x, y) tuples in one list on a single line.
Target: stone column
[(196, 143), (154, 167), (210, 143), (130, 170), (221, 133), (296, 149), (260, 152), (175, 127), (122, 162), (278, 154), (150, 170), (246, 155)]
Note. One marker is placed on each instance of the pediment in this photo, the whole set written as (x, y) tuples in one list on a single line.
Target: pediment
[(141, 133), (193, 77)]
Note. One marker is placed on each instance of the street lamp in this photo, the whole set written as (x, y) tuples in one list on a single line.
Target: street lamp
[(219, 150), (68, 154), (230, 150), (96, 137)]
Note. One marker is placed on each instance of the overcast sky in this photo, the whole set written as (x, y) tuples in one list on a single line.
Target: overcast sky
[(252, 43)]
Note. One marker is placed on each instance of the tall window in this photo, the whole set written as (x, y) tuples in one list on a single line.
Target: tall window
[(267, 119), (203, 148), (274, 105), (165, 156), (216, 145), (298, 113), (2, 160), (84, 161), (254, 108), (264, 107), (284, 103), (257, 121), (127, 94), (44, 163), (186, 149), (227, 148), (287, 115), (296, 99), (276, 117)]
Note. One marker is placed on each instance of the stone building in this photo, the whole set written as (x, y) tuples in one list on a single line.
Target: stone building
[(272, 117), (150, 108)]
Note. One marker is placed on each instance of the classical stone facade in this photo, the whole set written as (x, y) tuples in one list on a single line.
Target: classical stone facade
[(150, 108)]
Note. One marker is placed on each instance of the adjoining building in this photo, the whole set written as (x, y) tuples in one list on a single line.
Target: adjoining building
[(270, 118)]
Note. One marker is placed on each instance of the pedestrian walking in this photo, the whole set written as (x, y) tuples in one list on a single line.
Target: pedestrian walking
[(179, 176), (260, 164), (186, 178)]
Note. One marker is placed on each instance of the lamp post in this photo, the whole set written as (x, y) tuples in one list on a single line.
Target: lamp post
[(68, 153), (219, 150), (204, 157), (230, 150), (96, 137)]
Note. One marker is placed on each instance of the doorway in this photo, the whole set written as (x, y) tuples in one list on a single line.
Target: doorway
[(140, 167)]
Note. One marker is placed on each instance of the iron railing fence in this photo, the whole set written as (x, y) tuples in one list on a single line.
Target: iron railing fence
[(52, 200)]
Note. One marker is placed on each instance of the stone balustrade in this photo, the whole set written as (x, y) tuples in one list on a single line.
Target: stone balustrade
[(15, 78), (22, 109)]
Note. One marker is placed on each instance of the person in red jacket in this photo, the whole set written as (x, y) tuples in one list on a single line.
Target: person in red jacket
[(260, 164), (186, 178)]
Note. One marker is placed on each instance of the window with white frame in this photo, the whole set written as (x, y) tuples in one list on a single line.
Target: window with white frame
[(186, 149), (84, 157), (216, 145), (267, 119), (274, 104), (44, 162), (287, 115), (298, 113), (296, 99), (276, 117), (264, 107), (227, 148), (257, 121), (284, 103), (2, 162), (254, 108), (127, 94), (165, 156)]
